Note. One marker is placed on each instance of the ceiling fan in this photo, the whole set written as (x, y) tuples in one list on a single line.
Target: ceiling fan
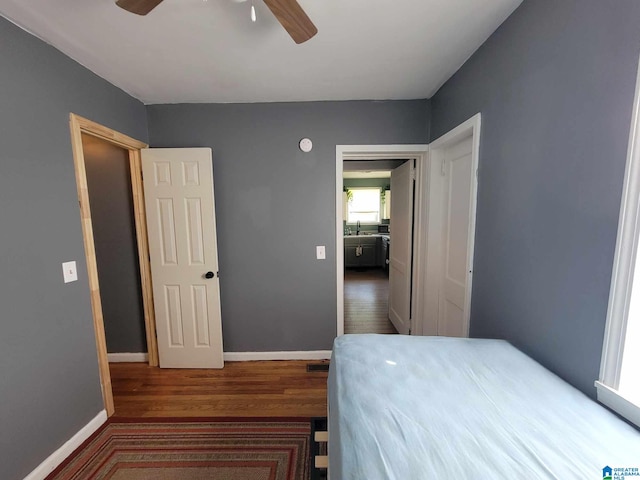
[(288, 12)]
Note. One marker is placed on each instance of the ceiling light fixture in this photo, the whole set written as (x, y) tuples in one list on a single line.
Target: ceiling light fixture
[(289, 14)]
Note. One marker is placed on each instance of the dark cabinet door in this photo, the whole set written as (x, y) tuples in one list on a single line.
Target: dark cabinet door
[(371, 252), (384, 251), (350, 259), (368, 258)]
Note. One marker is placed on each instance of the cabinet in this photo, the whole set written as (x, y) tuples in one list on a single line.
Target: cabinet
[(384, 253), (350, 259), (371, 251), (368, 257)]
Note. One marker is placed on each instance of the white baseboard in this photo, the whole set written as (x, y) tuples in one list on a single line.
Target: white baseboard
[(286, 355), (235, 356), (57, 457), (127, 357)]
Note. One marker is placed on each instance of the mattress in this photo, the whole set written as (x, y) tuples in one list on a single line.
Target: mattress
[(404, 408)]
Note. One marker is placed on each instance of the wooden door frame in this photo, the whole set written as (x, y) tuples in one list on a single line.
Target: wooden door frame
[(419, 153), (78, 126)]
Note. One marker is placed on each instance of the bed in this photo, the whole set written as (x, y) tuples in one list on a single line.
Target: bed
[(403, 408)]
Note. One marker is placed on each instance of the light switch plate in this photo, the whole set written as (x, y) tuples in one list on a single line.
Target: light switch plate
[(69, 272), (320, 253)]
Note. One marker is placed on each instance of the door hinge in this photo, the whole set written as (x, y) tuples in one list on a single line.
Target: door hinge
[(443, 168), (413, 173), (409, 330)]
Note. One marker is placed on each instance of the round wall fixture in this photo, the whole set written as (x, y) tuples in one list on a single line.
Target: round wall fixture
[(305, 145)]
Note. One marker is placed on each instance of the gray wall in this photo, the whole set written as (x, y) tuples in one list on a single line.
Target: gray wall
[(114, 233), (555, 86), (49, 383), (274, 204)]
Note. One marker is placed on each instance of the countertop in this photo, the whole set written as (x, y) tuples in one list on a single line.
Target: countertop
[(381, 235)]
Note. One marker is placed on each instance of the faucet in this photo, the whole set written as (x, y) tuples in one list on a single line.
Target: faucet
[(358, 227)]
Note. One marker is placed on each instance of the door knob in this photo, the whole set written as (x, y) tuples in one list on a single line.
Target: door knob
[(209, 275)]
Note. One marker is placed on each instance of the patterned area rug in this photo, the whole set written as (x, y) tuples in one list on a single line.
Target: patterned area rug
[(159, 449)]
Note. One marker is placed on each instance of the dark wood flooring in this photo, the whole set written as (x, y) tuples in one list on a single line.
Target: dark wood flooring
[(240, 389), (249, 389), (366, 301)]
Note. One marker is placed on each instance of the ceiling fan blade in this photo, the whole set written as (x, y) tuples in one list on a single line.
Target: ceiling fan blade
[(139, 7), (292, 17)]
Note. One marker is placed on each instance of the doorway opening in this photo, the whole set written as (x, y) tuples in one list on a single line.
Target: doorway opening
[(364, 260), (112, 219), (367, 228), (432, 227), (82, 127)]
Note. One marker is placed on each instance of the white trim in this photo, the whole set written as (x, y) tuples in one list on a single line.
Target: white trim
[(285, 355), (616, 402), (127, 357), (624, 260), (59, 456), (622, 274), (469, 128), (383, 152), (421, 219)]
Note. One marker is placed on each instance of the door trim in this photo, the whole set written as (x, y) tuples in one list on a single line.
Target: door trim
[(78, 126), (385, 152), (469, 128)]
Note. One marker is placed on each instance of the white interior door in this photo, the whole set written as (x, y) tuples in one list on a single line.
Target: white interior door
[(178, 188), (458, 210), (401, 248)]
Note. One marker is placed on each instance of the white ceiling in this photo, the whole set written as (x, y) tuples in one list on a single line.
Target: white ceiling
[(197, 51)]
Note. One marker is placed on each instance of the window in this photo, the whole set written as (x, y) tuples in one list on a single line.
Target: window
[(363, 205), (619, 382)]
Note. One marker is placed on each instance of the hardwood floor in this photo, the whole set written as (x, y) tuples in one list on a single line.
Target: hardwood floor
[(366, 301), (240, 389), (249, 389)]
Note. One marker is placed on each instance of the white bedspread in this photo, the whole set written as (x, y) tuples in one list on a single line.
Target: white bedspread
[(403, 408)]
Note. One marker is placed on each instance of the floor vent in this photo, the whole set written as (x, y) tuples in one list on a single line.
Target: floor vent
[(317, 367)]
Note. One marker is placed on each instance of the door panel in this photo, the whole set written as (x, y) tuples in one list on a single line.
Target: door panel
[(182, 244), (194, 231), (174, 315), (401, 247), (456, 220), (167, 231)]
